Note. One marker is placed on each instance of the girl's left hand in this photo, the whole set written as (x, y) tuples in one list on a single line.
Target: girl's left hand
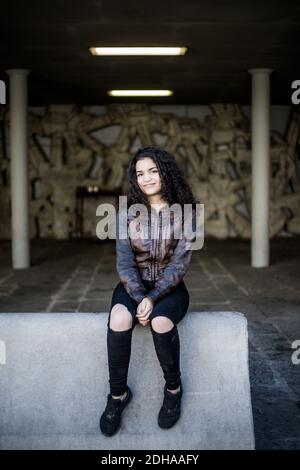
[(144, 310)]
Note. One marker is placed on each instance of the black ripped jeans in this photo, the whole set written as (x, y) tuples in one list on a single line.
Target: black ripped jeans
[(174, 306)]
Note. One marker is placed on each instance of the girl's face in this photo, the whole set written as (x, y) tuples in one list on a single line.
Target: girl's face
[(148, 176)]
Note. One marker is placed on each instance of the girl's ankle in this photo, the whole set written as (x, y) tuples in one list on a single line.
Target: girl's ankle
[(120, 397)]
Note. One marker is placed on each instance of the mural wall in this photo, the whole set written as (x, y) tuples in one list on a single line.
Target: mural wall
[(70, 147)]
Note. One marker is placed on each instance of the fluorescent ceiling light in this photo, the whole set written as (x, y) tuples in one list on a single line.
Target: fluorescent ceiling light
[(104, 51), (140, 92)]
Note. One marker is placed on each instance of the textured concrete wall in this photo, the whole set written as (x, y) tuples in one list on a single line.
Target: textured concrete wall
[(91, 146), (54, 384)]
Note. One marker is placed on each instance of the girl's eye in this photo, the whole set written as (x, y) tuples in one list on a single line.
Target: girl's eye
[(154, 171)]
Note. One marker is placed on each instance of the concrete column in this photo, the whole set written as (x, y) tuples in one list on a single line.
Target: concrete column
[(19, 168), (260, 116)]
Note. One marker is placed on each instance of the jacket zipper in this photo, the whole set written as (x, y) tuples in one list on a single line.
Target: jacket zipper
[(153, 258), (156, 244)]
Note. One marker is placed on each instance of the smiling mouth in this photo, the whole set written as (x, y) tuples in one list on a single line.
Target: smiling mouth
[(151, 184)]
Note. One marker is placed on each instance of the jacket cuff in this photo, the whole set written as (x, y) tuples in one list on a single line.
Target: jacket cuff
[(138, 296), (153, 295)]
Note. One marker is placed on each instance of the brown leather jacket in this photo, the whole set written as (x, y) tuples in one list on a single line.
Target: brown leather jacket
[(158, 257)]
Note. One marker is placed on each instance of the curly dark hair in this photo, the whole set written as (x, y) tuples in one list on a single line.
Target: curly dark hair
[(174, 188)]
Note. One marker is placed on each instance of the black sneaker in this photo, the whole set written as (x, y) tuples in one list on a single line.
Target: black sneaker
[(110, 420), (170, 410)]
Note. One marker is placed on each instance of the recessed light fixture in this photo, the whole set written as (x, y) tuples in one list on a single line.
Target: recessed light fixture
[(107, 51), (140, 92)]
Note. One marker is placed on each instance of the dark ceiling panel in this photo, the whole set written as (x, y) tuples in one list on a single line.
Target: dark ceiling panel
[(50, 12), (225, 39), (202, 11)]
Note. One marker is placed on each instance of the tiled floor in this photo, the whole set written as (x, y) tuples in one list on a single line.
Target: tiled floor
[(68, 276)]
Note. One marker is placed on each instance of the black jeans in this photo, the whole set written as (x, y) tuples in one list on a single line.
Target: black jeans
[(174, 306)]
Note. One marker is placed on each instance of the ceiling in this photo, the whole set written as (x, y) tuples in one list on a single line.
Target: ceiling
[(224, 38)]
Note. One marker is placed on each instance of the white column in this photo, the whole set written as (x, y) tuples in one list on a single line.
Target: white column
[(19, 168), (260, 117)]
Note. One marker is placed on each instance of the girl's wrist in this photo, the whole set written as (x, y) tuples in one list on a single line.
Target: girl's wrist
[(151, 300)]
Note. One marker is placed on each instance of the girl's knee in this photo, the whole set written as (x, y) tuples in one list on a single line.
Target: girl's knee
[(162, 324), (120, 318)]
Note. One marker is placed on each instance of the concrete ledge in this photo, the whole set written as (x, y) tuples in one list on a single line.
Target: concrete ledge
[(54, 384)]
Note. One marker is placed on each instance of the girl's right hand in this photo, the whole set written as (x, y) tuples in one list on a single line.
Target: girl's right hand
[(144, 310)]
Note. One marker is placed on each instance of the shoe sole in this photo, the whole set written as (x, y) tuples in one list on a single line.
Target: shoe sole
[(125, 405), (171, 425)]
